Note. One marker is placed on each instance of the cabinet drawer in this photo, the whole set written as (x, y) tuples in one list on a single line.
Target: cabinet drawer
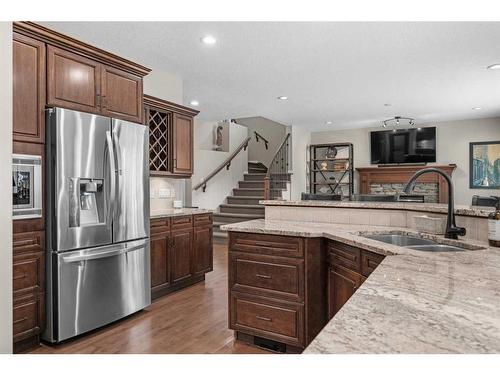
[(344, 255), (27, 318), (202, 220), (285, 246), (267, 318), (28, 273), (159, 225), (370, 261), (267, 276), (28, 242), (182, 222)]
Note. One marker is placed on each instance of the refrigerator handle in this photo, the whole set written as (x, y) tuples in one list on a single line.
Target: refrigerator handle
[(112, 167), (116, 144)]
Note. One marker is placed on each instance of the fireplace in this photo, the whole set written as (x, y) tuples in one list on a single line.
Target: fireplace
[(391, 180)]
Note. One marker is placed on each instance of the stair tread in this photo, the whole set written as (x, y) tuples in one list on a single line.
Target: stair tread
[(245, 196), (231, 214), (235, 205)]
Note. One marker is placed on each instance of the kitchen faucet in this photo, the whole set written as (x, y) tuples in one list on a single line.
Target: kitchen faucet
[(452, 231)]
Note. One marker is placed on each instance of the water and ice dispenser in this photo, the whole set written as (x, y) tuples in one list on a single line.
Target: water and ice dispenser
[(86, 206)]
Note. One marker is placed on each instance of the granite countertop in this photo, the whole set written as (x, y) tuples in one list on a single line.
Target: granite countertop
[(463, 210), (414, 302), (171, 212)]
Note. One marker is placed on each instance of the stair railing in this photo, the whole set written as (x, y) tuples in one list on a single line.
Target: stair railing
[(277, 171), (258, 136), (225, 164)]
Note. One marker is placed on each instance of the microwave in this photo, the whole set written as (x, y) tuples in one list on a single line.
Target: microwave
[(26, 186)]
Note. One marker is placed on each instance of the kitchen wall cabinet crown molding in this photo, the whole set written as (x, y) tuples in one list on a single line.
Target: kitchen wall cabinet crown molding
[(57, 39)]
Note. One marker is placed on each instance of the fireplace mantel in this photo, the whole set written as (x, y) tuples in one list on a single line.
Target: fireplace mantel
[(401, 174)]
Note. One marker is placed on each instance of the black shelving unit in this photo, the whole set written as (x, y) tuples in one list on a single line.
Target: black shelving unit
[(331, 169)]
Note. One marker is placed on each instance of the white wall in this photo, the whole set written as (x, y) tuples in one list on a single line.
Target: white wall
[(5, 187), (270, 130), (301, 138), (222, 184), (452, 139), (164, 85)]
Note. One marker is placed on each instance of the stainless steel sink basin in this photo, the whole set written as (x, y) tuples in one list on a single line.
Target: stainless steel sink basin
[(413, 242), (400, 239)]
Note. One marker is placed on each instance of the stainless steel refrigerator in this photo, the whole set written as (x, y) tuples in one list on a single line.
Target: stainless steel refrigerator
[(97, 227)]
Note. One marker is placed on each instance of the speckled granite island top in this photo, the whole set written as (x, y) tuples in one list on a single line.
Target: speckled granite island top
[(414, 302), (462, 210), (179, 212)]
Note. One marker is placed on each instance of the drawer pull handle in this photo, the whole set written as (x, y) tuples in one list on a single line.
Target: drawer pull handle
[(264, 276), (20, 320), (264, 318)]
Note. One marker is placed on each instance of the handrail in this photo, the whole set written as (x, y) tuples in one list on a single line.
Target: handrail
[(277, 166), (257, 136), (226, 163)]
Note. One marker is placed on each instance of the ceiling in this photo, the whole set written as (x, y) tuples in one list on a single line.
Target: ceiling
[(342, 72)]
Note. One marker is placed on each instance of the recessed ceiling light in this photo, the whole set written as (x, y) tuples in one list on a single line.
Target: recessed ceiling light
[(209, 39), (283, 97), (194, 103), (493, 67), (476, 108), (328, 122)]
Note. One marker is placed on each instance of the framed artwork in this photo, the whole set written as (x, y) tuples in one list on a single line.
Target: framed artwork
[(484, 165)]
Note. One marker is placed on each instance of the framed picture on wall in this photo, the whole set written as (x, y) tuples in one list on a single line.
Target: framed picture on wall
[(484, 165)]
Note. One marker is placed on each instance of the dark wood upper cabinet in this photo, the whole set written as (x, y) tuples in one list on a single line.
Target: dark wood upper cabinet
[(170, 137), (182, 243), (183, 144), (121, 94), (28, 89), (73, 81), (202, 250)]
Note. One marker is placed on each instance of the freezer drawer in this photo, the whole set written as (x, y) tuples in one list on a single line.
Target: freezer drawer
[(98, 286)]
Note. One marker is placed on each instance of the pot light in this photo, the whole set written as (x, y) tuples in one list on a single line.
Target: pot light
[(283, 97), (194, 103), (476, 108), (329, 122), (493, 67), (208, 39)]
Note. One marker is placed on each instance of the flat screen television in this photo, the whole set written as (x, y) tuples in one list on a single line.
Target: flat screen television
[(403, 146)]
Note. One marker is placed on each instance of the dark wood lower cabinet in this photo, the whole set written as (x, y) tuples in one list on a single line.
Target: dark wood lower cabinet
[(283, 290), (181, 252)]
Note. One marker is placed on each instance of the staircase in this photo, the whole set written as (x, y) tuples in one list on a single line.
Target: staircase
[(244, 205)]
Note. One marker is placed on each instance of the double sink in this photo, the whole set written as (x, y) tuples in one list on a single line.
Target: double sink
[(418, 243)]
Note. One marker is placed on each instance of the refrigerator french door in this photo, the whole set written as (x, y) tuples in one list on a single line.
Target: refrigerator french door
[(97, 227)]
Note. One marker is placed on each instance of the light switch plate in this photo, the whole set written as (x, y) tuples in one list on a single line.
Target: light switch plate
[(163, 193), (152, 193)]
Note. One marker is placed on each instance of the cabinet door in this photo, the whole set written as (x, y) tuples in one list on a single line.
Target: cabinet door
[(202, 250), (183, 144), (73, 81), (121, 94), (342, 283), (28, 89), (160, 261), (182, 247)]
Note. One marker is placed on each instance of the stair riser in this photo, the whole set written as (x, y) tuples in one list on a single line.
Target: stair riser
[(255, 177), (248, 193), (256, 170), (239, 210), (251, 184), (237, 200), (226, 219)]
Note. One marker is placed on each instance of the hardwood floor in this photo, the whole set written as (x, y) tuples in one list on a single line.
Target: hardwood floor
[(193, 320)]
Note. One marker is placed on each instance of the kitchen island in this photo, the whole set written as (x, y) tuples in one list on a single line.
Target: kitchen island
[(412, 301)]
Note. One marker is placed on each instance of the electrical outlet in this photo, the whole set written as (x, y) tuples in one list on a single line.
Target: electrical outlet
[(152, 193), (163, 193)]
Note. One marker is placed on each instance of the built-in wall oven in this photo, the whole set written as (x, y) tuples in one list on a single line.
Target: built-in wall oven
[(26, 186)]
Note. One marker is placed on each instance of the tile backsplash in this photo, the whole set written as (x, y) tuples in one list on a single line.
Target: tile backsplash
[(163, 192)]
